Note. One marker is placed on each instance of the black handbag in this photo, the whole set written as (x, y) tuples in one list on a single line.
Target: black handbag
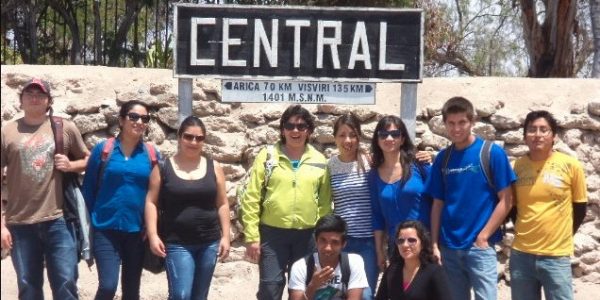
[(152, 262)]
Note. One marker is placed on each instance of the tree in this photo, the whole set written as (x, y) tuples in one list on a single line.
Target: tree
[(97, 33), (68, 11), (117, 47), (473, 38), (22, 17), (550, 37), (595, 16)]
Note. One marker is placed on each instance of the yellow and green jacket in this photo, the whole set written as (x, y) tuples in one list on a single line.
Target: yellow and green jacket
[(294, 199)]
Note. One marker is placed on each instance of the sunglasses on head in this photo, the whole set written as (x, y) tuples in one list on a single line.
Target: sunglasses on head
[(299, 126), (411, 241), (383, 134), (134, 117), (190, 137)]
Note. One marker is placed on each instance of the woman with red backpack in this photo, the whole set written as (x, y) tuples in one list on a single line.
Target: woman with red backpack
[(114, 188)]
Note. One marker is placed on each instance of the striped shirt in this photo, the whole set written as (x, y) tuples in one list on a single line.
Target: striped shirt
[(351, 197)]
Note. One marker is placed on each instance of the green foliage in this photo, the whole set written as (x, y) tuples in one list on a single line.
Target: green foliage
[(7, 56), (159, 57), (475, 38)]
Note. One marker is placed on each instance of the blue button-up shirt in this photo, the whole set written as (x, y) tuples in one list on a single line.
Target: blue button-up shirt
[(118, 201)]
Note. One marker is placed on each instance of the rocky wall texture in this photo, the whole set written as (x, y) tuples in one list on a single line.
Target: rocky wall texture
[(90, 96)]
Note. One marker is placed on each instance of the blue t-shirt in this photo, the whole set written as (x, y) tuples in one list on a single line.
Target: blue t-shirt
[(121, 196), (394, 203), (468, 199)]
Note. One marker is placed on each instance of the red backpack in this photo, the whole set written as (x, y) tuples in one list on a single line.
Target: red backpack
[(110, 144)]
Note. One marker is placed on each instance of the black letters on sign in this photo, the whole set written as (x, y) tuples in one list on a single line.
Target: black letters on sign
[(368, 44)]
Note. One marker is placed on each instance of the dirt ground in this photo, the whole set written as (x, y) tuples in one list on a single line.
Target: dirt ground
[(232, 280)]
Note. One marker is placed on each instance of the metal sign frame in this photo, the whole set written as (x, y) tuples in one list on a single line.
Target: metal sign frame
[(293, 11), (408, 99)]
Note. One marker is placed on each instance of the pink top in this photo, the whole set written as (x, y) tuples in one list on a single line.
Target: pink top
[(405, 285)]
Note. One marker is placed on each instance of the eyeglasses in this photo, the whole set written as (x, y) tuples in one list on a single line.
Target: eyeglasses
[(190, 137), (35, 96), (299, 126), (411, 241), (134, 117), (543, 131), (383, 134)]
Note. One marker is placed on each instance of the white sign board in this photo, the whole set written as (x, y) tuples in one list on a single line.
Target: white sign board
[(307, 92)]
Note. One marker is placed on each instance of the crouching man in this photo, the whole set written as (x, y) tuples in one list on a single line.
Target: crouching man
[(329, 273)]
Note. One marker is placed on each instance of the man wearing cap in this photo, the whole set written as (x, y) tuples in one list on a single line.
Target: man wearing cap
[(33, 227)]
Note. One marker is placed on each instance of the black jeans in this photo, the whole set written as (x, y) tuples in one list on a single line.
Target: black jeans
[(279, 249)]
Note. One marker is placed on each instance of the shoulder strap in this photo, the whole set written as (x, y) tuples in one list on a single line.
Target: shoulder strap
[(345, 267), (310, 267), (162, 164), (484, 158), (56, 123), (107, 149), (151, 153), (447, 154), (270, 164), (421, 169), (161, 169)]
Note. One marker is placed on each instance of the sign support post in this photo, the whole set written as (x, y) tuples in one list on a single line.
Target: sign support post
[(184, 88), (408, 107)]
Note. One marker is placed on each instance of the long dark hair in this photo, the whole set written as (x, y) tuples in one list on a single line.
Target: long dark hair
[(426, 255), (407, 150), (352, 121)]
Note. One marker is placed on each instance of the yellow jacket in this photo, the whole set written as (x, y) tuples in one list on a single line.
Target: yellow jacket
[(294, 199)]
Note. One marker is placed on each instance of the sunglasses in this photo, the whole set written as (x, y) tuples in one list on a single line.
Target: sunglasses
[(35, 96), (134, 117), (190, 137), (299, 126), (411, 241), (383, 134)]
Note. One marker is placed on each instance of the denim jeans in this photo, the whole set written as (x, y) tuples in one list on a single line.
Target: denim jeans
[(365, 247), (190, 269), (114, 250), (53, 241), (529, 273), (471, 268), (280, 248)]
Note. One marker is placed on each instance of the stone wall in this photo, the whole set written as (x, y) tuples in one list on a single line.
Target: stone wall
[(90, 96)]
